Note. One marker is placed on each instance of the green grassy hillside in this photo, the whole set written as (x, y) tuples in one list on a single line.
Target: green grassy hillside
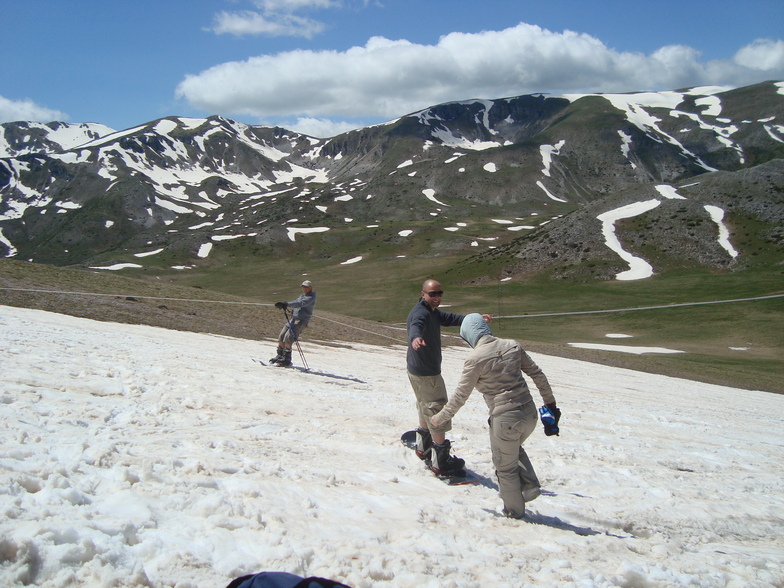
[(739, 344)]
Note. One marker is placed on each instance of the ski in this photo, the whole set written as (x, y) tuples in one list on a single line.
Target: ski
[(268, 364), (307, 370)]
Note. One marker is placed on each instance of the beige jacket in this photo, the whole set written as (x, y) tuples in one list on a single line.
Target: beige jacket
[(495, 367)]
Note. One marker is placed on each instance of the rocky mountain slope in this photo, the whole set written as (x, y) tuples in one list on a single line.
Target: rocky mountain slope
[(568, 184)]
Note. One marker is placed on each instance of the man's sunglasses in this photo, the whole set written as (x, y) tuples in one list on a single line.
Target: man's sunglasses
[(434, 294)]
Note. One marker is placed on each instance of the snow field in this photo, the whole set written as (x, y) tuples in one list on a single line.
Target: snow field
[(136, 456)]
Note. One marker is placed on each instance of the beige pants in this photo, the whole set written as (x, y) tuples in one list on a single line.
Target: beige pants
[(285, 333), (515, 473), (430, 392)]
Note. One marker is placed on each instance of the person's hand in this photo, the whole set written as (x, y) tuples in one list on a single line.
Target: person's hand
[(488, 318), (418, 342), (433, 421), (281, 305)]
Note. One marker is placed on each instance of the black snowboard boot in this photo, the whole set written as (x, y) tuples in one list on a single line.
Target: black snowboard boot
[(285, 361), (423, 444), (279, 356), (444, 464)]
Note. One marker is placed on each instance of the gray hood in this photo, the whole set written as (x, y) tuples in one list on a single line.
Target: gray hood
[(474, 327)]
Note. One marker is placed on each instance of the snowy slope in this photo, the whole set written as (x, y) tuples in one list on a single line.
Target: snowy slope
[(33, 137), (137, 456)]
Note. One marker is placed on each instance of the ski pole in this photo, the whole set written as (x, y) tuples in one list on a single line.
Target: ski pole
[(296, 339)]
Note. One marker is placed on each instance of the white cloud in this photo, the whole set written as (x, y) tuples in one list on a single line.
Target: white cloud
[(27, 110), (275, 18), (253, 23), (319, 127), (762, 54), (389, 78), (294, 5)]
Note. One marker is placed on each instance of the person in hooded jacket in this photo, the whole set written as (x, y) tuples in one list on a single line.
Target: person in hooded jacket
[(495, 367)]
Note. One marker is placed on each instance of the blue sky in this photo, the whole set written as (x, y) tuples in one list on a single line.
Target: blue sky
[(324, 66)]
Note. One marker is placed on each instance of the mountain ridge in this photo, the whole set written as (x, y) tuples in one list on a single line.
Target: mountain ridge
[(483, 177)]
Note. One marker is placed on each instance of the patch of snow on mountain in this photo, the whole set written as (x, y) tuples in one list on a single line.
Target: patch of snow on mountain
[(165, 126), (65, 135), (227, 237), (485, 120), (5, 147), (72, 156), (707, 90), (624, 348), (547, 152), (266, 150), (318, 176), (548, 193), (447, 139), (189, 124), (717, 215), (171, 206), (204, 250), (12, 251), (405, 233), (202, 225), (722, 133), (352, 260), (430, 195), (634, 105), (148, 253), (406, 163), (70, 136), (490, 167), (626, 142), (669, 192), (711, 105), (117, 266), (31, 197), (638, 268), (293, 231), (772, 130), (106, 139)]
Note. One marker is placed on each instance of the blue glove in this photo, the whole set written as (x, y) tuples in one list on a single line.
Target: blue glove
[(550, 415)]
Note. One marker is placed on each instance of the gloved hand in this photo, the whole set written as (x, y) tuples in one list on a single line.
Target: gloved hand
[(281, 305), (550, 415)]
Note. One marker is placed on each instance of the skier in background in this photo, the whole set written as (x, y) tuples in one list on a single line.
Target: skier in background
[(303, 309), (495, 367)]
